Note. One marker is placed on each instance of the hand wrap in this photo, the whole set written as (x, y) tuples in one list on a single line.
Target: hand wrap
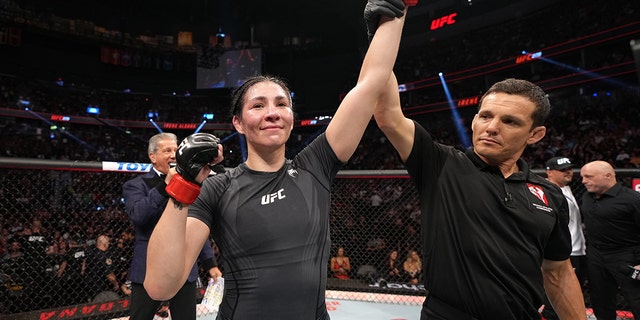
[(194, 152)]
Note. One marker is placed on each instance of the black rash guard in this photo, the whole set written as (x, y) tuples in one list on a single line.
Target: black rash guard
[(272, 229)]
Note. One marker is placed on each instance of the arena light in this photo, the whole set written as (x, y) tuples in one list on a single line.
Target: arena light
[(25, 103), (205, 117), (93, 110), (153, 116), (61, 130), (464, 139), (589, 74)]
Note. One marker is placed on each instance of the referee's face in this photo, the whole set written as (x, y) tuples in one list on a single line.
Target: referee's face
[(502, 128)]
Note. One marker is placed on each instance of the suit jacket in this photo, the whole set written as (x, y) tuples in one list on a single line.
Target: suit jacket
[(145, 200)]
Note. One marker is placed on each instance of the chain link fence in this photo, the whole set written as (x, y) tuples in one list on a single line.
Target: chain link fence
[(53, 211)]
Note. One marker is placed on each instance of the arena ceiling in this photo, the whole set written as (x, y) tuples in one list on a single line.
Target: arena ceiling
[(335, 23)]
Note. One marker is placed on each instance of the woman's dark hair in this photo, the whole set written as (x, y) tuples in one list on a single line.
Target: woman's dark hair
[(237, 97)]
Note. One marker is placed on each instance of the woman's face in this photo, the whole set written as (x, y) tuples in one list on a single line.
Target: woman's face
[(266, 118), (394, 255)]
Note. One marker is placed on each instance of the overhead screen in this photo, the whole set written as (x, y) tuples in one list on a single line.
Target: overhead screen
[(231, 70)]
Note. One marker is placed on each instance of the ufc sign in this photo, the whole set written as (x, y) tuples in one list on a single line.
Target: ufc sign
[(528, 57), (442, 21)]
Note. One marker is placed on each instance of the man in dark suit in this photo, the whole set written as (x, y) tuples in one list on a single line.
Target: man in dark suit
[(145, 200)]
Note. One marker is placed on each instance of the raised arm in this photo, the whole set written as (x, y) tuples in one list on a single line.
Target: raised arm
[(390, 119), (355, 111)]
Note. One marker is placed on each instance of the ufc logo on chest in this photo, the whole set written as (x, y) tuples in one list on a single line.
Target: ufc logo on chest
[(272, 197)]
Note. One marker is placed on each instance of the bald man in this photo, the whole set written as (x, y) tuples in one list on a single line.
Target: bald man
[(101, 281), (611, 215)]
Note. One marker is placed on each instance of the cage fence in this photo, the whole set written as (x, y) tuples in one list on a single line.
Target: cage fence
[(53, 212)]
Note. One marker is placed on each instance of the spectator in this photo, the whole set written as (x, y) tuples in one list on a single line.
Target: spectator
[(612, 219), (412, 268), (122, 255), (376, 248), (14, 251), (622, 158), (390, 268), (35, 241), (61, 258), (73, 278), (101, 281), (340, 265), (375, 201), (56, 267)]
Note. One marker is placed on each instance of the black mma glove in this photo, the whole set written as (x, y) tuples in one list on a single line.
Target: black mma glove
[(378, 8), (194, 152)]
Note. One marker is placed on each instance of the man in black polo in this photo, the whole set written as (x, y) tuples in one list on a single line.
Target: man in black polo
[(493, 232), (101, 281), (612, 218)]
